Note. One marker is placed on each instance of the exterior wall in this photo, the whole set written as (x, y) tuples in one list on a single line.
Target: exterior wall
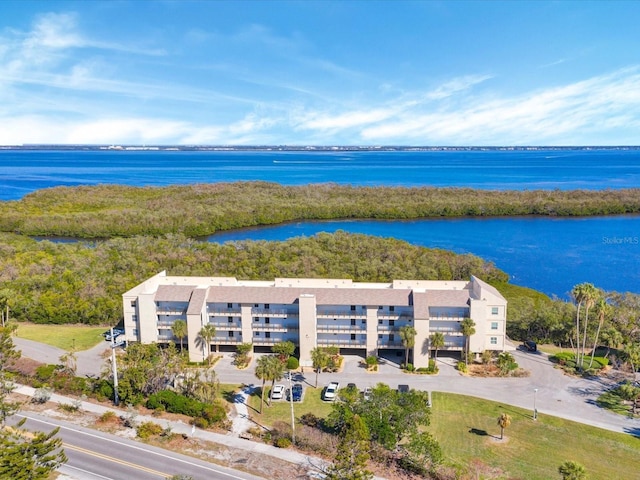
[(360, 315)]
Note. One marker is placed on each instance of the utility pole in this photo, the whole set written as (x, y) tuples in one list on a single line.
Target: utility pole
[(116, 400), (293, 425)]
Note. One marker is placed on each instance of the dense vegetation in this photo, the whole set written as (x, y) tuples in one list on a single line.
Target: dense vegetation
[(47, 282), (199, 210)]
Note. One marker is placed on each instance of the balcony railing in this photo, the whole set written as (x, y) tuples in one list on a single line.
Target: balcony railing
[(274, 312), (328, 327), (326, 313), (455, 329), (394, 315), (171, 311), (233, 312), (261, 327), (341, 342), (226, 325), (448, 318), (388, 328), (388, 344), (226, 341)]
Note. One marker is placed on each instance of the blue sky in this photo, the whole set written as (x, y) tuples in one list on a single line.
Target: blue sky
[(320, 73)]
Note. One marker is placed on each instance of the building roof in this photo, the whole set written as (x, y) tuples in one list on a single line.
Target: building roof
[(174, 293)]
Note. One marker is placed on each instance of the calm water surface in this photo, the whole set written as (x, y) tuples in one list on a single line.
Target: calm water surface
[(548, 254)]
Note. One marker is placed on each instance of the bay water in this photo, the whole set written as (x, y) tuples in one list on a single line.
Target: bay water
[(548, 254)]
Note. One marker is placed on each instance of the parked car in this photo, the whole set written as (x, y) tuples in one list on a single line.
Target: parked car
[(366, 394), (116, 333), (296, 392), (352, 385), (277, 392), (530, 345), (403, 388), (331, 391)]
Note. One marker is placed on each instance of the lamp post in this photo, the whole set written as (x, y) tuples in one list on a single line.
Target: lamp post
[(535, 410), (293, 425)]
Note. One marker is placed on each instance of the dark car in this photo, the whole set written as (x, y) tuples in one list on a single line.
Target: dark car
[(403, 388), (116, 333), (296, 392), (530, 345)]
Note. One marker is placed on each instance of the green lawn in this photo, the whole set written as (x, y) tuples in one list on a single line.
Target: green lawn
[(281, 409), (467, 429), (66, 337)]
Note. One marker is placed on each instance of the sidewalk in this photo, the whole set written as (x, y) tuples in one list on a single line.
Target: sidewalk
[(288, 455)]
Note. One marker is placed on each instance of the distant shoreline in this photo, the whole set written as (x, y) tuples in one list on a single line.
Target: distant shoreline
[(311, 148)]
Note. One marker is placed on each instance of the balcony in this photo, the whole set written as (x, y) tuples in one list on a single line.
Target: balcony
[(406, 316), (171, 310), (388, 328), (227, 325), (330, 313), (226, 312), (337, 342), (274, 312), (328, 327), (390, 344), (273, 327), (448, 318), (455, 329), (226, 340)]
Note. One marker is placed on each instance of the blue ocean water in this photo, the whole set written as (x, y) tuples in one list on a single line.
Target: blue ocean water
[(548, 254)]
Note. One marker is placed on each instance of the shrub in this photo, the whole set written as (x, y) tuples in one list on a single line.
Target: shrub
[(41, 395), (283, 442), (310, 420), (462, 367), (103, 390), (107, 416), (371, 360), (409, 367), (45, 372), (69, 407), (204, 414), (148, 429), (292, 363)]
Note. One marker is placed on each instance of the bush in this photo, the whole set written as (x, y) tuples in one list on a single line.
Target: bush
[(107, 416), (310, 420), (283, 442), (564, 358), (148, 429), (292, 363), (462, 367), (204, 414), (41, 395), (409, 367), (45, 372), (103, 390)]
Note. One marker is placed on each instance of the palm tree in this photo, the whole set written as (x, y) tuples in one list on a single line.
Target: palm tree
[(262, 372), (578, 295), (468, 328), (572, 471), (611, 338), (504, 420), (206, 334), (320, 360), (408, 337), (179, 330), (602, 309), (437, 341), (274, 370), (590, 294)]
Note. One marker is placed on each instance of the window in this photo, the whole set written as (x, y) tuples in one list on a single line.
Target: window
[(256, 305), (267, 334), (353, 321), (494, 310), (230, 319), (379, 322), (353, 336), (353, 308), (494, 340), (256, 319), (229, 305), (391, 337), (494, 325), (266, 306), (380, 307), (230, 334), (267, 320), (364, 321), (133, 303), (257, 334), (392, 308), (392, 323), (135, 332), (134, 318), (379, 337)]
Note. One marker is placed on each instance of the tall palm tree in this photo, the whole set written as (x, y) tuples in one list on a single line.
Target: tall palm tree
[(602, 310), (591, 294), (206, 334), (262, 372), (408, 337), (179, 330), (320, 360), (437, 341), (577, 292), (504, 420), (274, 370), (468, 328)]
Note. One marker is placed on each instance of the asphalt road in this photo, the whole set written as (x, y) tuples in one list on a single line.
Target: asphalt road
[(95, 455)]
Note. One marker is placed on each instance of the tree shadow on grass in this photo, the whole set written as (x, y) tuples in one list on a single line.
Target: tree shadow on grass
[(481, 433)]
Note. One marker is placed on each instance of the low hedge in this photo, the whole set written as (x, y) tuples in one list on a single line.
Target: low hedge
[(204, 414)]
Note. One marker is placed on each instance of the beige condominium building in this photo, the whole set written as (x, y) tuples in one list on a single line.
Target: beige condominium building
[(315, 313)]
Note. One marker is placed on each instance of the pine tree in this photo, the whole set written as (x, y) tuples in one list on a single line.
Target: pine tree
[(353, 453)]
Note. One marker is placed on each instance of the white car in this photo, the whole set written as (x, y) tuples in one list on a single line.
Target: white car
[(278, 392), (331, 392)]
